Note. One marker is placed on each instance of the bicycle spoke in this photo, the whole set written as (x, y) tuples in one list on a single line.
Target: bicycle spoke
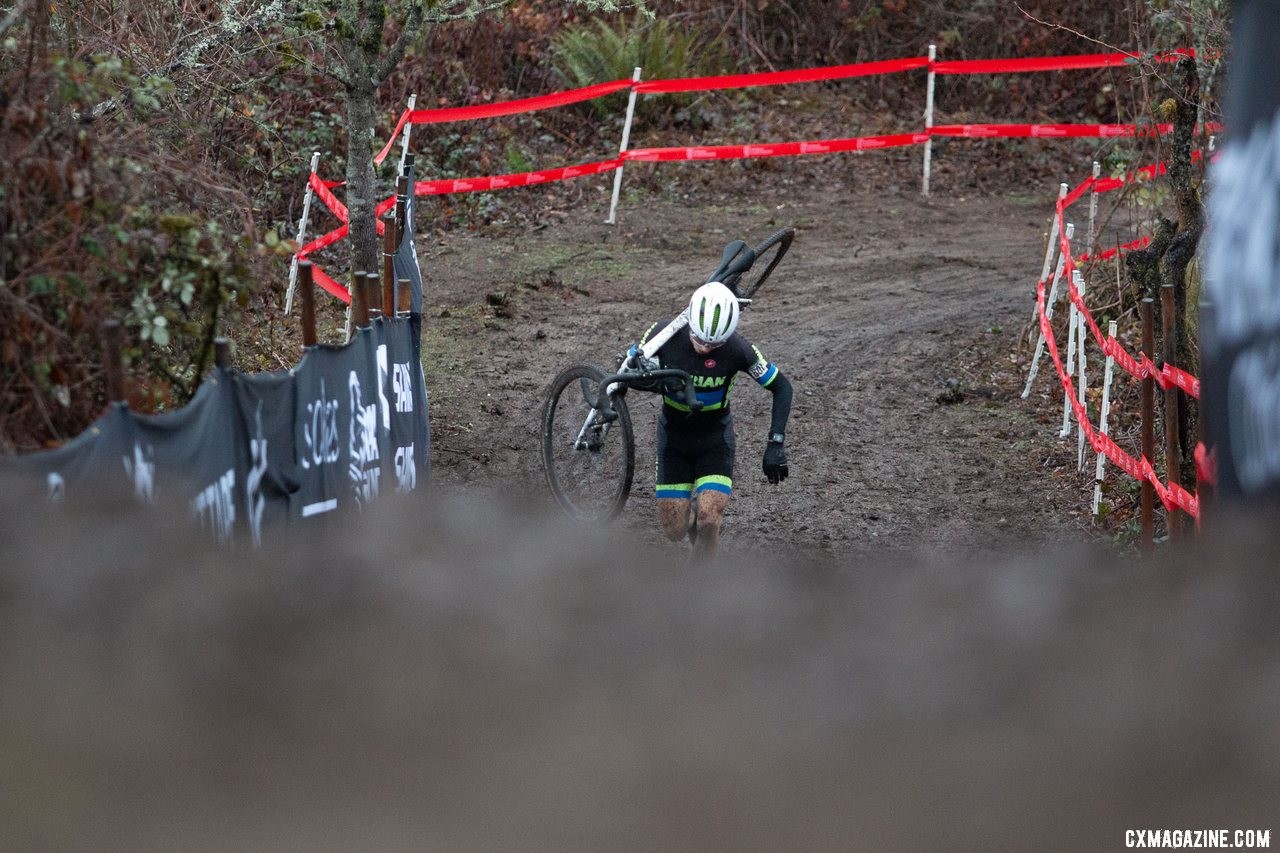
[(589, 463)]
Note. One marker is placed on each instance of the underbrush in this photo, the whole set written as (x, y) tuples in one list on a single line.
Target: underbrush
[(167, 196)]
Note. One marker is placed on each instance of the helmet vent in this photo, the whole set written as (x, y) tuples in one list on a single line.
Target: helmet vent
[(713, 313)]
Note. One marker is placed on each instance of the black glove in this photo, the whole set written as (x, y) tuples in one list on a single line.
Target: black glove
[(635, 360), (775, 462), (626, 361)]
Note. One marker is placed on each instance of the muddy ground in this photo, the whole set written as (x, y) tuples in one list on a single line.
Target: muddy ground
[(479, 675), (901, 321)]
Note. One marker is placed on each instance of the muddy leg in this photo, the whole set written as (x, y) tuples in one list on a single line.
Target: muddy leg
[(675, 516), (711, 505)]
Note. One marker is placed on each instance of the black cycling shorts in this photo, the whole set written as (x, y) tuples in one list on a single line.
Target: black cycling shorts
[(694, 459)]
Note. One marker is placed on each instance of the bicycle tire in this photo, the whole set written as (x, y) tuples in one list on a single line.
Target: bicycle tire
[(778, 243), (590, 484)]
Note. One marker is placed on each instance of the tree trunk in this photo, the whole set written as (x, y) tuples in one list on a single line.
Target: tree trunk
[(365, 66), (1143, 265), (362, 193), (1185, 242)]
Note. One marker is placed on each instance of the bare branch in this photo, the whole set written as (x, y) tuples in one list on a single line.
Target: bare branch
[(230, 29), (442, 15), (376, 18), (14, 14), (409, 32), (20, 304), (1146, 67), (1076, 33)]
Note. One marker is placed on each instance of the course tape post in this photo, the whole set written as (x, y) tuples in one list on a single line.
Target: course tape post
[(1049, 131), (1167, 376), (1140, 366), (1171, 495), (768, 78), (774, 149), (501, 108), (1052, 63), (775, 78), (324, 189)]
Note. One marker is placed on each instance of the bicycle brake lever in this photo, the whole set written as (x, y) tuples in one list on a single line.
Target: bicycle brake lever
[(691, 395)]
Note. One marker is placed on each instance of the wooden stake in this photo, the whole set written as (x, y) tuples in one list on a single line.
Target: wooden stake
[(402, 202), (373, 296), (112, 362), (1172, 440), (390, 241), (404, 298), (1148, 423), (359, 305), (307, 294), (222, 353)]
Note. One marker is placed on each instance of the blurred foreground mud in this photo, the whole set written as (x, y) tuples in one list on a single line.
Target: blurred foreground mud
[(462, 676)]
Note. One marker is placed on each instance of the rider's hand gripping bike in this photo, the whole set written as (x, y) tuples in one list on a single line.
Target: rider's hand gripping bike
[(588, 444)]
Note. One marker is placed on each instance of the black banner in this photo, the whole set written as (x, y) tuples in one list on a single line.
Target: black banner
[(405, 260), (347, 424), (1240, 312)]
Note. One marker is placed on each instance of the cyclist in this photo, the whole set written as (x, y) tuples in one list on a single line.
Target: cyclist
[(696, 449)]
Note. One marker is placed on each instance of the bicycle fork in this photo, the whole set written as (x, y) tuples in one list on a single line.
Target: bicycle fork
[(591, 427), (596, 424)]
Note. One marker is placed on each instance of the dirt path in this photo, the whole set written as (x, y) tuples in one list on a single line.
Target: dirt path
[(895, 317)]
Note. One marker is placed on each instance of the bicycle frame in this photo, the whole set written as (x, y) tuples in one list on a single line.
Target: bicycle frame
[(601, 415), (605, 404), (609, 385), (650, 349)]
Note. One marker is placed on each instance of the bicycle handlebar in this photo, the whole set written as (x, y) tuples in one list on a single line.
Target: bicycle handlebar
[(737, 259), (690, 391)]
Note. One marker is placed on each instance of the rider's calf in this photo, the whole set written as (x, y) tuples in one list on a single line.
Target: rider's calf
[(674, 514), (711, 506), (677, 515)]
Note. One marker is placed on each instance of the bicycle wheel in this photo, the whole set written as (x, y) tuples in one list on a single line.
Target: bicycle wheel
[(589, 463), (768, 255)]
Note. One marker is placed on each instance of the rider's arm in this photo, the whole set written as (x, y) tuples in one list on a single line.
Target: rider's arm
[(781, 390), (768, 376), (647, 332), (632, 357), (775, 457)]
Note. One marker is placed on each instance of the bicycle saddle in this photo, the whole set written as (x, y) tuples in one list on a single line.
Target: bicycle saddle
[(737, 259)]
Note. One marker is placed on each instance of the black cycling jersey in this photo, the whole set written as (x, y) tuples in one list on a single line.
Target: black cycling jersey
[(713, 374)]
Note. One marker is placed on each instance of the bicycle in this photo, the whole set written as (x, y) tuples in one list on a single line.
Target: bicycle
[(588, 443)]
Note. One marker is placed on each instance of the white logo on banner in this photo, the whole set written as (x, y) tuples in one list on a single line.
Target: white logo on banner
[(1244, 285), (254, 500), (142, 471), (402, 383), (216, 506), (1253, 398), (406, 471), (382, 386), (320, 432), (57, 488), (1244, 243), (364, 445)]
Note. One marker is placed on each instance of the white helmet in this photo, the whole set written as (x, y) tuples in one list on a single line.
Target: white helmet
[(713, 313)]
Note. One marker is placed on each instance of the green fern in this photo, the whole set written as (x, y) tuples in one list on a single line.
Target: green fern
[(661, 48)]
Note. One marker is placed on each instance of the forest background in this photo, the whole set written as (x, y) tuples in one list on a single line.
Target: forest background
[(154, 155)]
